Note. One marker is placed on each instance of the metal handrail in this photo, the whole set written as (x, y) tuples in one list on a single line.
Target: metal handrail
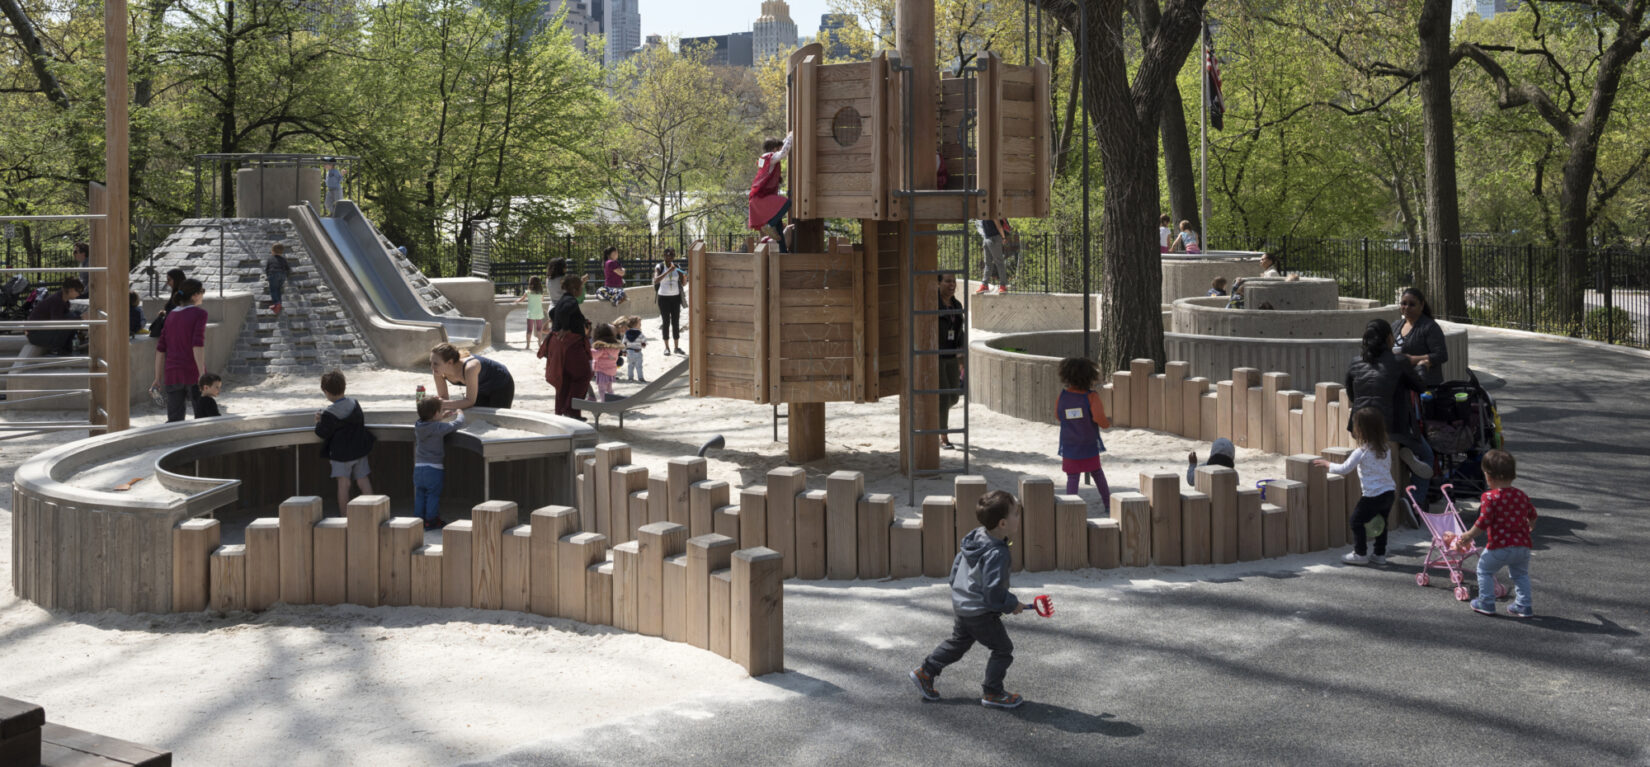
[(57, 217), (71, 268)]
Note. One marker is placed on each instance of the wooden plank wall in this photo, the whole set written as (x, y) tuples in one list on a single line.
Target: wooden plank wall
[(844, 177), (729, 323), (815, 326)]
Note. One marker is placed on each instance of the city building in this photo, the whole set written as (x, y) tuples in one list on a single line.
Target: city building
[(581, 18), (1487, 9), (622, 25), (731, 50), (774, 33), (832, 24)]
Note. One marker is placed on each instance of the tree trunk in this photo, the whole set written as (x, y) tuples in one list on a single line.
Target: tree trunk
[(1178, 170), (1447, 291)]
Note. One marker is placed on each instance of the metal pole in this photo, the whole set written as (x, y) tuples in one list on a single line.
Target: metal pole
[(1529, 286), (1203, 140), (1080, 54)]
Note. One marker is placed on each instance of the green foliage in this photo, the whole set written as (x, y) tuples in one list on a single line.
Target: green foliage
[(1609, 323)]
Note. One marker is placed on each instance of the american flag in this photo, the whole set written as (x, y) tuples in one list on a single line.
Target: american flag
[(1211, 82)]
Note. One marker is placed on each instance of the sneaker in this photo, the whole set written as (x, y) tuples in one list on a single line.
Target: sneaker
[(983, 288), (1001, 289), (435, 524), (1001, 700), (1354, 558), (1481, 610), (1377, 559), (925, 684), (1521, 612)]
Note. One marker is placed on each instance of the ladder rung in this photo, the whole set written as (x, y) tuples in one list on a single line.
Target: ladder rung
[(938, 272), (940, 391), (938, 431), (939, 312), (957, 352)]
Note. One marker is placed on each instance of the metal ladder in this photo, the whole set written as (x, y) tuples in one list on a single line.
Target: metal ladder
[(914, 349)]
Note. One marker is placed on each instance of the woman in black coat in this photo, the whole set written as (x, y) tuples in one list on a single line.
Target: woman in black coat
[(1380, 380), (566, 351), (1417, 338)]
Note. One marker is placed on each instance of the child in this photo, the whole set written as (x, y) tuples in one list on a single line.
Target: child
[(634, 343), (980, 597), (1375, 474), (1221, 453), (342, 428), (1081, 417), (429, 455), (767, 206), (134, 315), (535, 308), (1218, 288), (612, 278), (276, 270), (1506, 514), (211, 386), (604, 358)]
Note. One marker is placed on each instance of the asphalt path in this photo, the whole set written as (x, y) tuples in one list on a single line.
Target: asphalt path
[(1299, 660)]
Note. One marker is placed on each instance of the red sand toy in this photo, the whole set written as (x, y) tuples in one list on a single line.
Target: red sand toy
[(1044, 605)]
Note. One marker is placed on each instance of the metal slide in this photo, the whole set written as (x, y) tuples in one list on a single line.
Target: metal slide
[(656, 389), (369, 261)]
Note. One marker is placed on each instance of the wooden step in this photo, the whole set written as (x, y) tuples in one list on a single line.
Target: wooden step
[(61, 746)]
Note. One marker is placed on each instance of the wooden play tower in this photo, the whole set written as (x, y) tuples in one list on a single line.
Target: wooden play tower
[(839, 321)]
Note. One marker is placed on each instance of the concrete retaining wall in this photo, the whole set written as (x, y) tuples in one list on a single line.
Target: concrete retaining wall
[(1304, 359), (1188, 276), (1313, 294), (1208, 316), (1025, 312), (1024, 383)]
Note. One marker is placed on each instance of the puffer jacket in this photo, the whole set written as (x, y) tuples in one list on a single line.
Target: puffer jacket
[(1384, 385), (979, 576)]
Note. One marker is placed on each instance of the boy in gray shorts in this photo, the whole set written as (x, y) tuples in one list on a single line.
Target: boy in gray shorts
[(345, 440)]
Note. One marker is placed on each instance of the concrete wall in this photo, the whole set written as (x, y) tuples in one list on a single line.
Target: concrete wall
[(1311, 294), (639, 301), (1024, 312), (1188, 276), (268, 192), (1024, 383), (1304, 359), (1210, 317), (473, 297)]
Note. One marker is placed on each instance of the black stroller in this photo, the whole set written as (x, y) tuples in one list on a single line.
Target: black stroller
[(1461, 424), (14, 299)]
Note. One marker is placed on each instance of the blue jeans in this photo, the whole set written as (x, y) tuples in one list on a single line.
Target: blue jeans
[(1517, 561), (427, 482), (276, 287)]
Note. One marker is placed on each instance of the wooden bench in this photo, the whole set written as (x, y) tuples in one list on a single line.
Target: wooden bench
[(26, 740)]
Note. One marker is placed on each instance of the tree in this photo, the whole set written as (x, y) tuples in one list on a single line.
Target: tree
[(1125, 112)]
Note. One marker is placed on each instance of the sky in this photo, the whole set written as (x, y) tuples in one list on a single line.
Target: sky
[(697, 18)]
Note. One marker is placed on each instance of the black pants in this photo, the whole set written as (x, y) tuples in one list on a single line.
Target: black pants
[(500, 396), (670, 318), (53, 341), (177, 395), (1368, 509), (987, 630)]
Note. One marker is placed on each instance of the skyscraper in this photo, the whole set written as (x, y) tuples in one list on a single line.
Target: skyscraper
[(622, 24), (1487, 9), (581, 18), (835, 23), (773, 34)]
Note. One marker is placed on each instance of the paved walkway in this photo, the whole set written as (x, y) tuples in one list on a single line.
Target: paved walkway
[(1292, 661)]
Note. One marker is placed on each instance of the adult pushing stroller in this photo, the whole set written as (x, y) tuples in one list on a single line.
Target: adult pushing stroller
[(1460, 422)]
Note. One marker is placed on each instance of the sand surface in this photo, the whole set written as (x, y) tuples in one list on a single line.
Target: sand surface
[(329, 686)]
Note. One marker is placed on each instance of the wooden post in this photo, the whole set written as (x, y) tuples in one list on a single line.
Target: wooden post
[(1300, 468), (914, 31), (681, 475), (659, 541), (1336, 516), (706, 554), (704, 498), (1037, 497), (598, 594), (673, 625), (1351, 486), (109, 342), (842, 493), (1122, 384), (785, 483), (1309, 426), (488, 522), (1291, 496), (1274, 522), (1243, 379), (263, 563), (805, 431), (876, 515), (1195, 524), (720, 626), (587, 493), (609, 455), (967, 490), (810, 535), (1191, 406), (1259, 422), (1105, 543), (1210, 416), (1174, 377), (1250, 528), (1271, 384), (753, 516), (627, 575), (725, 521), (426, 576), (364, 514), (228, 578), (1155, 402), (905, 549), (939, 538), (1289, 441), (332, 561), (1133, 513), (1140, 397), (629, 513), (1220, 484), (757, 629), (576, 554), (516, 591), (658, 498), (458, 564), (1225, 401), (1334, 425), (1325, 393), (298, 516), (1071, 535), (550, 525), (397, 538), (1162, 490)]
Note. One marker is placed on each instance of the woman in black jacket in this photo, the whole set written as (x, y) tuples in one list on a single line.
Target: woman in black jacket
[(1380, 380), (1418, 340)]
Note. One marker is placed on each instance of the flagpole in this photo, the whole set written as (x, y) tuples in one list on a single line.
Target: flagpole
[(1203, 130)]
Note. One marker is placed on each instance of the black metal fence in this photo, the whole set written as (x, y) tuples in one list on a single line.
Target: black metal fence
[(1599, 294)]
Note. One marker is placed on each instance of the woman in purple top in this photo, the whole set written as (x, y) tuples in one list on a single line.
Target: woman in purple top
[(180, 353), (612, 277)]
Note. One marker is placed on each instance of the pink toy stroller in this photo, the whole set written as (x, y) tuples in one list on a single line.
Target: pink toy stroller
[(1442, 554)]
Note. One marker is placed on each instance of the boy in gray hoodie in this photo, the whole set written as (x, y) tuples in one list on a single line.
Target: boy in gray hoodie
[(980, 597), (429, 459)]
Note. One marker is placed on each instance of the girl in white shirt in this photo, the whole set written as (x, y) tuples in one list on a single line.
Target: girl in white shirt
[(1375, 474)]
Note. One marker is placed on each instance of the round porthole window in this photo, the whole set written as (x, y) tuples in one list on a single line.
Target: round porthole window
[(847, 126)]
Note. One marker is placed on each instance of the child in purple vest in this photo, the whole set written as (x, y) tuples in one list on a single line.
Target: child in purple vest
[(1081, 417)]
